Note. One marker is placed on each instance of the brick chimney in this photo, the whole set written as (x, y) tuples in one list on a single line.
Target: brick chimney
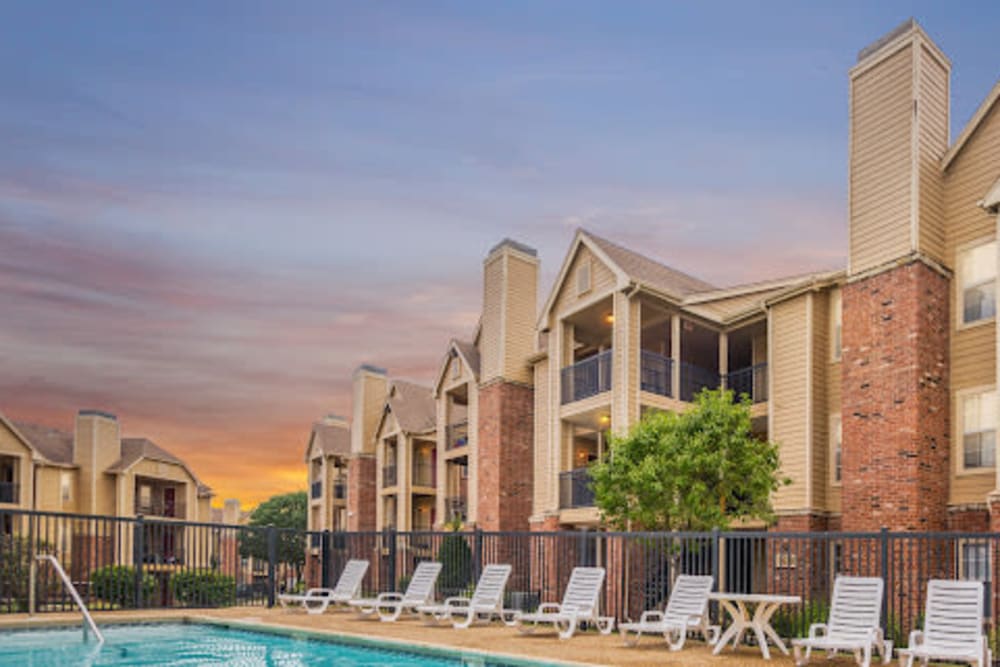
[(895, 405), (506, 397), (96, 446), (370, 385)]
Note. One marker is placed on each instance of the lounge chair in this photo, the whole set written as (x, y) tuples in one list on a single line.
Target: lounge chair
[(953, 626), (687, 610), (580, 605), (853, 624), (390, 606), (317, 600), (486, 601)]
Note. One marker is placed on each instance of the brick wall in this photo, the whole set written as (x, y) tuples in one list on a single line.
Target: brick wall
[(895, 408), (361, 492), (505, 461), (969, 519)]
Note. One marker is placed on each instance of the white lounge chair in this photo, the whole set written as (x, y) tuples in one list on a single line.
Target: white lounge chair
[(317, 600), (580, 605), (853, 624), (953, 626), (486, 601), (686, 611), (419, 591)]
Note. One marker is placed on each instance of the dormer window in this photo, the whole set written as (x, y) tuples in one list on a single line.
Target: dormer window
[(456, 367), (583, 277)]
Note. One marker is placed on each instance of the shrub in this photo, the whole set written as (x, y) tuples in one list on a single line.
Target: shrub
[(455, 557), (15, 572), (203, 588), (795, 622), (115, 584)]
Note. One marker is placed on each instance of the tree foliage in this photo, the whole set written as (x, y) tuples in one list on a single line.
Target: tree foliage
[(287, 511), (695, 470)]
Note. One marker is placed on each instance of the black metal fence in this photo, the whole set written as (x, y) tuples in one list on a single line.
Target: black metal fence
[(120, 563)]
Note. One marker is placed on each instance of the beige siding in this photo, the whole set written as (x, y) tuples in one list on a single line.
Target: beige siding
[(788, 404), (881, 162), (544, 460), (519, 328), (820, 418), (490, 352), (602, 281), (932, 137), (625, 363)]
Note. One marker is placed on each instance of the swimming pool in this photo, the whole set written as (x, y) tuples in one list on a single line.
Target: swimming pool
[(198, 644)]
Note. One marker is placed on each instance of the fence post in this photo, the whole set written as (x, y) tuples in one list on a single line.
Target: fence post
[(884, 539), (138, 549), (716, 545), (392, 536), (325, 560), (477, 553), (272, 557)]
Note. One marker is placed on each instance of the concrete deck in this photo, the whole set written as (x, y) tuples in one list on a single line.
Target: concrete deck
[(587, 648)]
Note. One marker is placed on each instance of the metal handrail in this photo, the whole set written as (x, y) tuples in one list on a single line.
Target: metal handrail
[(75, 595)]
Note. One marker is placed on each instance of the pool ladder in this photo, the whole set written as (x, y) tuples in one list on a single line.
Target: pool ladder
[(88, 619)]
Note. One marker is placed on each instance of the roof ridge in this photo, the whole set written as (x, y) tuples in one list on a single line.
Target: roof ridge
[(647, 258)]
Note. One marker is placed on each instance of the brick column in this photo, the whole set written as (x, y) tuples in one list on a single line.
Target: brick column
[(505, 460), (361, 492), (895, 405)]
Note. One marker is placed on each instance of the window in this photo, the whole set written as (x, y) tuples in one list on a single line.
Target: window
[(974, 560), (145, 496), (979, 423), (977, 272), (837, 325), (836, 558), (583, 277), (66, 486), (456, 367), (836, 441)]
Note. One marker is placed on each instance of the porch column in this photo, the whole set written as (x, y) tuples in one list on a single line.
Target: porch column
[(723, 359), (675, 356)]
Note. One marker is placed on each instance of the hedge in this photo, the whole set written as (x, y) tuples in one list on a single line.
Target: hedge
[(203, 588), (115, 584)]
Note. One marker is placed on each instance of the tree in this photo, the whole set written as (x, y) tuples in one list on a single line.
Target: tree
[(695, 470), (455, 557), (286, 512)]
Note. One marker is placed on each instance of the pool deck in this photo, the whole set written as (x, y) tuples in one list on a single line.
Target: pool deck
[(584, 649)]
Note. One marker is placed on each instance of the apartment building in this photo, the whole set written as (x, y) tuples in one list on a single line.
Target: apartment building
[(327, 455)]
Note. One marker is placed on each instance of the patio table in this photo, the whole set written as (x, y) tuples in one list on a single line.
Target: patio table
[(738, 606)]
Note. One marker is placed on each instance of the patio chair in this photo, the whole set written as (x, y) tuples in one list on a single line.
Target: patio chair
[(317, 600), (853, 623), (486, 601), (686, 611), (580, 605), (953, 626), (420, 591)]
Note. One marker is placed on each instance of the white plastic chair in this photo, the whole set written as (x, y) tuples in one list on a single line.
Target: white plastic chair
[(317, 600), (419, 591), (853, 623), (953, 626), (486, 601), (686, 611), (580, 605)]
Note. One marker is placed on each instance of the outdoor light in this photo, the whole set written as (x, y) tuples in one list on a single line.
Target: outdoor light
[(605, 419), (609, 318)]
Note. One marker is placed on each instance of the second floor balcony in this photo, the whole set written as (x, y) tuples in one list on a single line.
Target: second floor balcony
[(423, 473), (456, 507), (340, 488), (389, 476), (656, 373), (457, 435), (586, 378), (9, 493), (751, 381), (575, 489)]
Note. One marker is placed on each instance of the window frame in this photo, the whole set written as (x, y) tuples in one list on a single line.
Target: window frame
[(960, 397), (836, 324), (836, 428), (960, 256)]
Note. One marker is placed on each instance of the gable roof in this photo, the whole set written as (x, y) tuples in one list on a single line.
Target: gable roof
[(136, 449), (333, 439), (469, 354), (53, 444), (649, 272), (413, 407), (970, 128)]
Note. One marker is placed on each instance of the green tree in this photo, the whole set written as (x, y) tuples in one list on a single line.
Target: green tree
[(287, 512), (695, 470), (455, 557)]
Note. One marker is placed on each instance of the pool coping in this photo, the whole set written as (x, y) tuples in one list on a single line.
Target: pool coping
[(255, 624)]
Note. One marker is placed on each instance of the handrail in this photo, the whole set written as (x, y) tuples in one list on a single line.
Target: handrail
[(74, 594)]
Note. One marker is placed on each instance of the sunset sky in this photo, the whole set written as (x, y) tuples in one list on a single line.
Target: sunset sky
[(211, 213)]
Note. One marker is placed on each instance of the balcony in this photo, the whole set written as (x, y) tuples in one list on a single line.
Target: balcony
[(9, 493), (159, 500), (457, 435), (423, 473), (456, 507), (751, 381), (316, 490), (586, 378), (575, 489), (340, 489), (656, 374), (388, 476), (695, 378)]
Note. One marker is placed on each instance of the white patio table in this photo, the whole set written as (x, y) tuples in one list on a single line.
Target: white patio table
[(738, 605)]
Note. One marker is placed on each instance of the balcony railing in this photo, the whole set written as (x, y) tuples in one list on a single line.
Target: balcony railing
[(575, 489), (586, 378), (340, 489), (456, 507), (457, 435), (316, 490), (389, 476), (656, 373), (751, 381), (695, 378), (158, 508), (423, 473), (9, 492)]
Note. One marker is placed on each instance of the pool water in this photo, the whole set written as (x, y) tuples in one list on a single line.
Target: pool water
[(194, 644)]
